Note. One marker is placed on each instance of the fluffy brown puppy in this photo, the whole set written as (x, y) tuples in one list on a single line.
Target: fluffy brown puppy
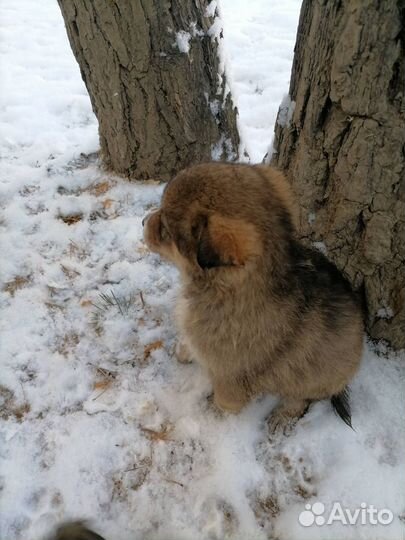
[(259, 310)]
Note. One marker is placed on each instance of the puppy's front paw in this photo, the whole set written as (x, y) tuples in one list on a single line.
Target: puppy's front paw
[(284, 417), (182, 353), (225, 404), (281, 423)]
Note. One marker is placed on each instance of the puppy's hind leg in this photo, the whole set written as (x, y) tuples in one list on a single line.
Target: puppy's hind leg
[(284, 417)]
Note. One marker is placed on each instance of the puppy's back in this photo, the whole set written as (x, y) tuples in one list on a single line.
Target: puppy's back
[(282, 188)]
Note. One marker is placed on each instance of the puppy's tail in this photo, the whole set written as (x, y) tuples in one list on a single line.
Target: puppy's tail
[(341, 406)]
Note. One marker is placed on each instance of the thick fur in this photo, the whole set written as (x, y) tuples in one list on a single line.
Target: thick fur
[(259, 310)]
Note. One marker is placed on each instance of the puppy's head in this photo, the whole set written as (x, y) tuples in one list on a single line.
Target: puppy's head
[(212, 219)]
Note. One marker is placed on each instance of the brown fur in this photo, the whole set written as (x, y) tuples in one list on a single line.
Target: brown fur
[(260, 311)]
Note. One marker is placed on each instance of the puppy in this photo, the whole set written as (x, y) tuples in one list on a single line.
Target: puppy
[(261, 312)]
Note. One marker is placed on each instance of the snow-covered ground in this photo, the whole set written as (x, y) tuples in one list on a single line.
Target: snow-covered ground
[(260, 42), (97, 418)]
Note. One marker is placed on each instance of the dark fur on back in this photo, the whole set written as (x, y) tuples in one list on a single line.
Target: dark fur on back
[(316, 281)]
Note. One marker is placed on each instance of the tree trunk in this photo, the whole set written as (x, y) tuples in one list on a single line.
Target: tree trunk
[(341, 138), (156, 82)]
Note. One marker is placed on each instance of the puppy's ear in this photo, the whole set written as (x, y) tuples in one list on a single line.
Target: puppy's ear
[(223, 241), (153, 225), (208, 255)]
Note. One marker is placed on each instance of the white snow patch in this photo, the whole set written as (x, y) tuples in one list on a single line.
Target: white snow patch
[(284, 118), (211, 8), (385, 313), (221, 148), (311, 218), (196, 31), (320, 246), (183, 41), (286, 111), (215, 32), (215, 107)]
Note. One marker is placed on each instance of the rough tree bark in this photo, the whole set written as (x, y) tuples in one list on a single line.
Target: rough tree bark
[(341, 139), (156, 82)]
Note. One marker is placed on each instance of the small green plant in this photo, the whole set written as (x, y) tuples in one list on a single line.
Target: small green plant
[(107, 302)]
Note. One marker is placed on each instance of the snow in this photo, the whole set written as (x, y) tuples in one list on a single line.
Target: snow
[(385, 313), (320, 246), (261, 38), (98, 420), (211, 8), (286, 111), (183, 41)]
